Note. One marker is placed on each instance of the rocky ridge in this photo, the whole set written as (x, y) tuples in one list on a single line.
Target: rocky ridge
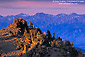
[(18, 39)]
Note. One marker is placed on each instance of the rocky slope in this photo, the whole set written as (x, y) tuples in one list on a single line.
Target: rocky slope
[(20, 40)]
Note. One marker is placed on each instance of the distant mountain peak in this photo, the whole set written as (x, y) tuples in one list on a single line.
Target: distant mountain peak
[(22, 14), (73, 14), (40, 13), (62, 14)]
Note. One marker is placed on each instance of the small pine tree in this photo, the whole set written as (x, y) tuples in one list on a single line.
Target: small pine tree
[(79, 50), (53, 35), (72, 44)]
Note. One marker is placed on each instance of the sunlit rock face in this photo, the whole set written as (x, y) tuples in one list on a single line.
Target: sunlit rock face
[(17, 27)]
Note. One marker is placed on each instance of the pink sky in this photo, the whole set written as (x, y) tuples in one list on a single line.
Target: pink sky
[(32, 7)]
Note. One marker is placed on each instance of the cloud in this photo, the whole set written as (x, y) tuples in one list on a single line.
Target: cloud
[(31, 5), (22, 0), (12, 7), (15, 7), (8, 0), (77, 2), (38, 0)]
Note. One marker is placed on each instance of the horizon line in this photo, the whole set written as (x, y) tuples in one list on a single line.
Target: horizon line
[(41, 12)]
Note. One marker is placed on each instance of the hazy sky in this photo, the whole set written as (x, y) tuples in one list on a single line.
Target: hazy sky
[(13, 7), (40, 0), (24, 0)]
